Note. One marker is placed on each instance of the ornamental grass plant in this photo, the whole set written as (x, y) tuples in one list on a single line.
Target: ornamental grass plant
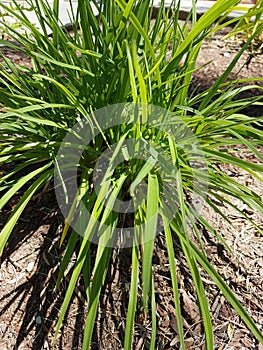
[(104, 115)]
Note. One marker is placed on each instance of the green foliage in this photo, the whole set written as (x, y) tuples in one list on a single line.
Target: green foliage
[(121, 56), (249, 23)]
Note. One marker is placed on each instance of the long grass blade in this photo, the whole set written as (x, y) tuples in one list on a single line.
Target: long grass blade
[(17, 212), (222, 285), (149, 235), (129, 329), (171, 256)]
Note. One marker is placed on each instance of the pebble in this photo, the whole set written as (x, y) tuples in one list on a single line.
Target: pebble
[(38, 320), (30, 266)]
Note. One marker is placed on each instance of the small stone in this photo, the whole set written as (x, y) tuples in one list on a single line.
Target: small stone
[(30, 266), (38, 320)]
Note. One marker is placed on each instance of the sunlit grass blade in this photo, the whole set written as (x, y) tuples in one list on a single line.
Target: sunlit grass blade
[(222, 286), (106, 234), (87, 234), (20, 183), (176, 294), (18, 210), (181, 98), (129, 328), (229, 159), (182, 227), (154, 318), (85, 245), (99, 275), (200, 291), (131, 73), (203, 23), (83, 190), (248, 144), (149, 235), (16, 170), (142, 87)]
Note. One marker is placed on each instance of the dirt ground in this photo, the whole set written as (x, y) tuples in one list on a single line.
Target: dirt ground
[(29, 307)]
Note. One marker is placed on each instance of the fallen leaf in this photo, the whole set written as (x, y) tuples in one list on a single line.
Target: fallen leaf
[(173, 323), (230, 331), (175, 341), (190, 307)]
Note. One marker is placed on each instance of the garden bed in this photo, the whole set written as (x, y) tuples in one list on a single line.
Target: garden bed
[(29, 266)]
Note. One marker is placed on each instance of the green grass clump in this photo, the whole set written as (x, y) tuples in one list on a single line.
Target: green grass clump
[(120, 59)]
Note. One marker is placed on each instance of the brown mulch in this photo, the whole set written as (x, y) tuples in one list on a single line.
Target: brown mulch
[(29, 306)]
